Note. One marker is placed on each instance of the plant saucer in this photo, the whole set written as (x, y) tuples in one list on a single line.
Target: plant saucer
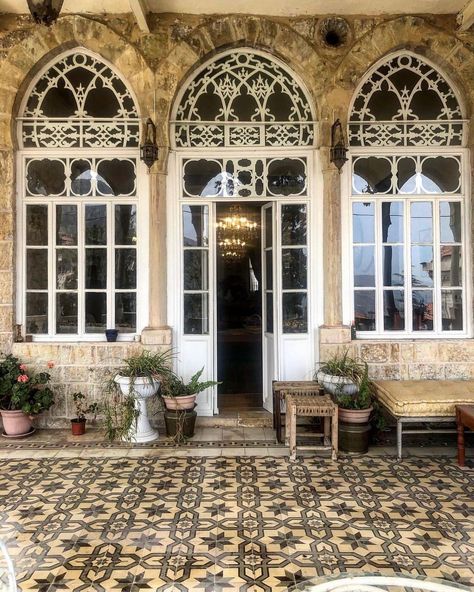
[(31, 431)]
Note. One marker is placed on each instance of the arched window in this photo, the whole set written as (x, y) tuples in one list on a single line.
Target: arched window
[(243, 98), (406, 133), (79, 132)]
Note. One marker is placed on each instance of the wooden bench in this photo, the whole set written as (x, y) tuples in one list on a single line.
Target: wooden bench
[(423, 401)]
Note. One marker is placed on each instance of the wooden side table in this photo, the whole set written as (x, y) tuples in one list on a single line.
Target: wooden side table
[(311, 406), (464, 418), (281, 388)]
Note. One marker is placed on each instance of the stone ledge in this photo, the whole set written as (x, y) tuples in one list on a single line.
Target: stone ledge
[(334, 334), (157, 336)]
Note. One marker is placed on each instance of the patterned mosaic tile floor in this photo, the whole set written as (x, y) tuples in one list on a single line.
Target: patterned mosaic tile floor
[(232, 524)]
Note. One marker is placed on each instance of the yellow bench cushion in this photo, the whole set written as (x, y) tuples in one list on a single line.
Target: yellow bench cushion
[(424, 398)]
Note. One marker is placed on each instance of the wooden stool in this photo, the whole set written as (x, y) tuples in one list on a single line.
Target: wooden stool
[(282, 387), (311, 406), (464, 418)]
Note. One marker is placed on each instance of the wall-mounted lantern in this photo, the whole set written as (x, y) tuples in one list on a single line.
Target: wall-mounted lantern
[(149, 148), (45, 12), (338, 145)]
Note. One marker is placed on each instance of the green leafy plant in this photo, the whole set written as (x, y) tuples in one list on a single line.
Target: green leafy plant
[(22, 389), (82, 409), (174, 386), (344, 366), (120, 412), (146, 364)]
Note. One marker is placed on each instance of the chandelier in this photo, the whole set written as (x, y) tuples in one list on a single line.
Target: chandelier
[(234, 233)]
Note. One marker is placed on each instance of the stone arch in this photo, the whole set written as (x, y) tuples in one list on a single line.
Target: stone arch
[(42, 45), (202, 43), (416, 35)]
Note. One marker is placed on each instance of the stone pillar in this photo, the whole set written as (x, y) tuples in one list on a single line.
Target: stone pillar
[(333, 331), (7, 261), (157, 238)]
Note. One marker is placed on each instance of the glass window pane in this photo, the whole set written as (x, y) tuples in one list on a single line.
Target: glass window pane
[(269, 227), (421, 214), (364, 310), (66, 225), (36, 269), (422, 266), (451, 310), (422, 310), (66, 269), (46, 177), (125, 269), (295, 313), (406, 175), (96, 269), (269, 269), (36, 225), (195, 226), (66, 313), (96, 312), (36, 313), (392, 222), (450, 222), (205, 178), (440, 174), (115, 177), (451, 266), (125, 225), (393, 266), (294, 269), (96, 225), (286, 176), (126, 312), (293, 224), (363, 227), (364, 267), (196, 315), (372, 175), (393, 310), (195, 270), (81, 177), (269, 312)]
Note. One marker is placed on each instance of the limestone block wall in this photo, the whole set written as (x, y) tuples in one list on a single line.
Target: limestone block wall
[(410, 360), (77, 367)]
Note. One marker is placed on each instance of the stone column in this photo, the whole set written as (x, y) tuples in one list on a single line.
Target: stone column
[(7, 261), (333, 330)]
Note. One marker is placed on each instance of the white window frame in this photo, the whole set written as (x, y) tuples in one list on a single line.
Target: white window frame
[(347, 233), (140, 199)]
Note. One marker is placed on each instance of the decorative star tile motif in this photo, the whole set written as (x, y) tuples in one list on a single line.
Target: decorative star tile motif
[(250, 524)]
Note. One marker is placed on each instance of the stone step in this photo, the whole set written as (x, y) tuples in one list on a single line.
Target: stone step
[(248, 419)]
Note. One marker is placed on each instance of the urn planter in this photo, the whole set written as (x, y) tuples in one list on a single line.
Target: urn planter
[(142, 388)]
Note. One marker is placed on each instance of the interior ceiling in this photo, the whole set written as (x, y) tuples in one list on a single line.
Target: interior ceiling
[(267, 7)]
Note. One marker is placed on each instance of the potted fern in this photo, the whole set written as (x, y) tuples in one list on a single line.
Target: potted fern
[(179, 399)]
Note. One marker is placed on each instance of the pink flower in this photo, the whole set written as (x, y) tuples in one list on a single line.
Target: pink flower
[(22, 367), (23, 378), (50, 364)]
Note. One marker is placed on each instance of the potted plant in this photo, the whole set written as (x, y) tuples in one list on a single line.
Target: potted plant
[(347, 380), (78, 423), (179, 399), (138, 379), (23, 395)]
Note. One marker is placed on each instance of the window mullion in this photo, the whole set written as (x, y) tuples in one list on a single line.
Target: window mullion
[(408, 284), (437, 323), (379, 288), (81, 272), (52, 268), (110, 265)]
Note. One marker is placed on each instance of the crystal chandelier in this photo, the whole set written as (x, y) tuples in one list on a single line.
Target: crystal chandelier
[(234, 233)]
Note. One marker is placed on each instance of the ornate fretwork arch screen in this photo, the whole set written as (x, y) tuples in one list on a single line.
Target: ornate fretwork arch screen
[(406, 102), (79, 102), (243, 98)]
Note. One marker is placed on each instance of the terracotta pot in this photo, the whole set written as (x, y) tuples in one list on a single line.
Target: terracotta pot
[(78, 426), (186, 402), (16, 423), (354, 415)]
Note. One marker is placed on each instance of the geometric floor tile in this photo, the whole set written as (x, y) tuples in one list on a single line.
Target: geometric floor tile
[(232, 523)]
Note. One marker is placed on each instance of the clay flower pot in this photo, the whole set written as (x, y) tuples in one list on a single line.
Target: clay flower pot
[(78, 426), (16, 423), (354, 415), (180, 403)]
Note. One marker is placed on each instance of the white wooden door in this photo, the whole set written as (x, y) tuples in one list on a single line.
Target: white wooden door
[(269, 291)]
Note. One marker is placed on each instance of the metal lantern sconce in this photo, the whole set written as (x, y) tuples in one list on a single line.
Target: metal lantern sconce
[(45, 12), (149, 148), (338, 146)]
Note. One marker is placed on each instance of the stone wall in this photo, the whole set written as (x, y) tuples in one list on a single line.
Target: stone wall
[(77, 367), (156, 64)]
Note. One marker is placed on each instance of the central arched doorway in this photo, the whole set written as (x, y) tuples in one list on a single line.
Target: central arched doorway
[(241, 218)]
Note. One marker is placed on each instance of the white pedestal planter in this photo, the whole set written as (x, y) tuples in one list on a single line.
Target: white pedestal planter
[(142, 389), (336, 385)]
